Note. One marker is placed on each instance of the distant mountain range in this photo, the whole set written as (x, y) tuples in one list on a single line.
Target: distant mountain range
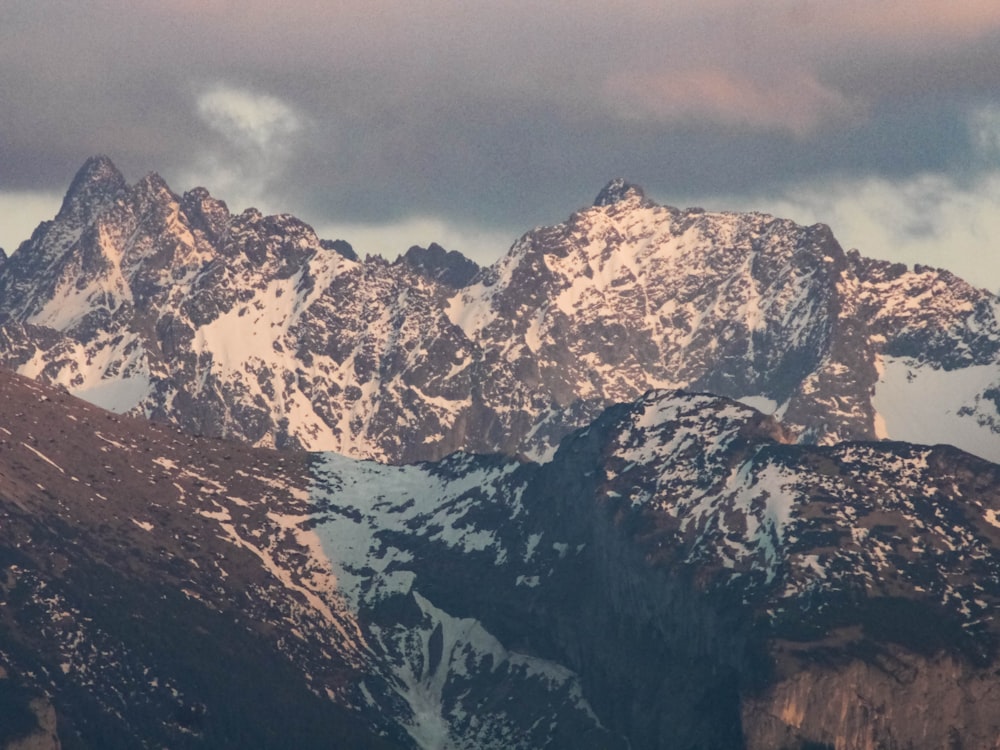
[(252, 327), (671, 523)]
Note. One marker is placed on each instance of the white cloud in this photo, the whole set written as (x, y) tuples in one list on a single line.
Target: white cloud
[(248, 120), (259, 134), (21, 212)]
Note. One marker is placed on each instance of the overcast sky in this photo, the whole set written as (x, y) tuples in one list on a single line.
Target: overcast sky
[(389, 124)]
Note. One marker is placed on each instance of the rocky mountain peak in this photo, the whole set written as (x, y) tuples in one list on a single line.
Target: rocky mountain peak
[(97, 170), (205, 212), (154, 185), (96, 183), (342, 247), (447, 266), (617, 191), (311, 350)]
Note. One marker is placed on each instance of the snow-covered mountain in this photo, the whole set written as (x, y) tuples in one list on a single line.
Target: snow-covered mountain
[(679, 574), (252, 327)]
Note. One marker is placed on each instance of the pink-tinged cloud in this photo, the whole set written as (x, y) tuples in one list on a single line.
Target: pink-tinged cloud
[(795, 102), (928, 19)]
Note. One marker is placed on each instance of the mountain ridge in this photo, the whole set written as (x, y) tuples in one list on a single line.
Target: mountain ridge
[(641, 485), (677, 572), (147, 294)]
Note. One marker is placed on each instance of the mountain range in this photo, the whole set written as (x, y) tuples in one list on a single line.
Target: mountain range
[(641, 483), (253, 328)]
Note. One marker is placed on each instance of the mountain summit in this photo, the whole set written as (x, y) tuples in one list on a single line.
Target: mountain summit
[(619, 190), (97, 182)]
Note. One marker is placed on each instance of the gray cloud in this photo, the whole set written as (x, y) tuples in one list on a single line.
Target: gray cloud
[(498, 116)]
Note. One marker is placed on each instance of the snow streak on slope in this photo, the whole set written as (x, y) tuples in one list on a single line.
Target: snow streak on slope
[(374, 521), (251, 333), (364, 504)]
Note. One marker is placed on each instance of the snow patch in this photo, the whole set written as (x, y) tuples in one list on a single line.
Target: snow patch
[(920, 404), (762, 404)]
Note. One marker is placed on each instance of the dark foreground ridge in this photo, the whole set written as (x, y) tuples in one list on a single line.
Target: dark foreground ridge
[(679, 575)]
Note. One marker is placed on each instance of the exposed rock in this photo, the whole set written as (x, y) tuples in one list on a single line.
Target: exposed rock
[(893, 698), (448, 267), (619, 190), (248, 326), (45, 736), (679, 574), (340, 246)]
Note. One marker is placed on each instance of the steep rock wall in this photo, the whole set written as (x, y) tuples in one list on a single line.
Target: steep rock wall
[(896, 700)]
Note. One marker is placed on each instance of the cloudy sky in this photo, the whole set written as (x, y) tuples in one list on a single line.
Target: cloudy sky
[(390, 124)]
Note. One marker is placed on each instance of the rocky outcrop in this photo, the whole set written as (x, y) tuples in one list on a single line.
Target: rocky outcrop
[(44, 736), (893, 698), (27, 720), (449, 267)]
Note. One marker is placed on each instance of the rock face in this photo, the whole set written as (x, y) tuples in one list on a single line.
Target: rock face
[(892, 699), (679, 574), (451, 268), (252, 327), (27, 720), (44, 735)]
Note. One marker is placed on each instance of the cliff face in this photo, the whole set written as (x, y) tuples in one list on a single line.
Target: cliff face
[(45, 735), (892, 699), (27, 720), (662, 664)]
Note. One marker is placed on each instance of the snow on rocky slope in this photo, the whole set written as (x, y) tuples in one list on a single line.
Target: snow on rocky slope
[(680, 572), (184, 592), (252, 327)]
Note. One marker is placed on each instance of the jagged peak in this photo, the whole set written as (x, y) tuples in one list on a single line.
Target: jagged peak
[(97, 169), (251, 215), (153, 190), (200, 195), (153, 182), (203, 200), (342, 247), (210, 214), (96, 181), (619, 190), (447, 266)]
